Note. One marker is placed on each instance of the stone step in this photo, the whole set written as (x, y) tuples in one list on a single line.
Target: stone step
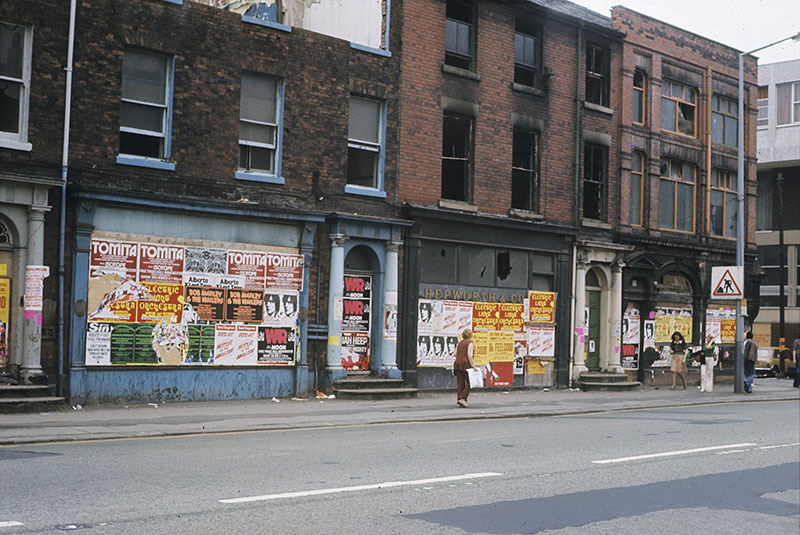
[(365, 382), (31, 404), (609, 386), (24, 391), (375, 393), (600, 377)]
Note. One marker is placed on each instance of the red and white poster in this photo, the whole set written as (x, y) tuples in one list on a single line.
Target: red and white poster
[(542, 341), (235, 344), (159, 262), (251, 266), (116, 257), (284, 271)]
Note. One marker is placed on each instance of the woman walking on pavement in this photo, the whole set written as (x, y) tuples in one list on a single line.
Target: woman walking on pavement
[(678, 364), (465, 350), (710, 358)]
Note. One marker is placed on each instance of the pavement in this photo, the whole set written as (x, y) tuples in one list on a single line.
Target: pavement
[(119, 421)]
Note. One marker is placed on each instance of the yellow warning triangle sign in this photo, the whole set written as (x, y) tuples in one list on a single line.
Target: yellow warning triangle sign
[(727, 287)]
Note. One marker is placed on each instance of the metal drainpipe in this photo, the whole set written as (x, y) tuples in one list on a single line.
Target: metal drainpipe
[(63, 215), (578, 125)]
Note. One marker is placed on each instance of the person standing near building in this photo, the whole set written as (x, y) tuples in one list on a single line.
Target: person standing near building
[(465, 351), (796, 348), (678, 364), (709, 360), (750, 358)]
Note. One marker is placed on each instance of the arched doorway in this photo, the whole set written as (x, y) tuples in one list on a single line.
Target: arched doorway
[(358, 337)]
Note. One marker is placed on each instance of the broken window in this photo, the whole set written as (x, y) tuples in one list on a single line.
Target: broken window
[(524, 165), (512, 269), (595, 171), (15, 72), (527, 54), (145, 104), (258, 124), (459, 42), (678, 107), (476, 266), (597, 70), (364, 145), (724, 120), (456, 157), (639, 78), (676, 196)]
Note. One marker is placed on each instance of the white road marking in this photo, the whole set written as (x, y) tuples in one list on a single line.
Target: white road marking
[(10, 523), (671, 453), (780, 446), (386, 485)]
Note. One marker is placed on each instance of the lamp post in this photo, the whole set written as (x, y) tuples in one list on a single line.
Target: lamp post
[(738, 381)]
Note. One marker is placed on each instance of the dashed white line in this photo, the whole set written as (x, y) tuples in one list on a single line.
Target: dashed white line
[(375, 486), (10, 523), (671, 453)]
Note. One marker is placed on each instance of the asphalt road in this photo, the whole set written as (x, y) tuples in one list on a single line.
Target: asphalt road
[(730, 468)]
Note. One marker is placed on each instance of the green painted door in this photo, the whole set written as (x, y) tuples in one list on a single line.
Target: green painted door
[(592, 346)]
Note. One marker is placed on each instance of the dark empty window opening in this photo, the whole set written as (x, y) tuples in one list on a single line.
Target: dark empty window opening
[(459, 42), (524, 176), (456, 157), (595, 165), (503, 265), (638, 96)]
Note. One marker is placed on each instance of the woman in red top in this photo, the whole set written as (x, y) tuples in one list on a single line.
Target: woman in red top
[(465, 350)]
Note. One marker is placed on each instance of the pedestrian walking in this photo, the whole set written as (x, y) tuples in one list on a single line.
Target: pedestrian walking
[(796, 347), (708, 361), (678, 364), (750, 358), (465, 351)]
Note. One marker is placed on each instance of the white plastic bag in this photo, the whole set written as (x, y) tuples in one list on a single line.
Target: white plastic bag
[(475, 376)]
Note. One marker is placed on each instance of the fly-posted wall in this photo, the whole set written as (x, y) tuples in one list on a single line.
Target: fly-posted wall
[(168, 301), (181, 305)]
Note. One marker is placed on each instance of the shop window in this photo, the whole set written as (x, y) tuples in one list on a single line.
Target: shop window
[(595, 173), (769, 257), (459, 42), (597, 74), (678, 108), (259, 106), (456, 157), (636, 187), (639, 100), (476, 266), (788, 103), (365, 142), (676, 196), (15, 77), (763, 106), (724, 120), (541, 268), (723, 203), (524, 165), (527, 54), (145, 109), (437, 263)]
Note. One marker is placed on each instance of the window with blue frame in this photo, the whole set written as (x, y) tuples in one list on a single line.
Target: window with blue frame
[(365, 142), (258, 124), (145, 109)]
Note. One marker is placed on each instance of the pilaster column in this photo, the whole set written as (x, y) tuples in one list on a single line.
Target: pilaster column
[(32, 327), (580, 334), (389, 342), (335, 294), (613, 362)]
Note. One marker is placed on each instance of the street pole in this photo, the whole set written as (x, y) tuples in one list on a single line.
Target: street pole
[(738, 378)]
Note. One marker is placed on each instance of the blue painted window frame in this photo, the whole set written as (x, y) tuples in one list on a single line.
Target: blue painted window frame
[(276, 178), (377, 191), (158, 163)]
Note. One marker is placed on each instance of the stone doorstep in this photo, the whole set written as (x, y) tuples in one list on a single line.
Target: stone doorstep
[(375, 393), (366, 382), (616, 385), (23, 391)]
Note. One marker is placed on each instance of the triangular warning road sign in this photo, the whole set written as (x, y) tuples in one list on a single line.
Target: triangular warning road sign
[(727, 287)]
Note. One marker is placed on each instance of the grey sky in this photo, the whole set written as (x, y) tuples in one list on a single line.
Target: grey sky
[(742, 24)]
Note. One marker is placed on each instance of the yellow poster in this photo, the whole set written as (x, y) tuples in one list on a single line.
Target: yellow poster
[(541, 307), (493, 346), (535, 367), (5, 299)]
